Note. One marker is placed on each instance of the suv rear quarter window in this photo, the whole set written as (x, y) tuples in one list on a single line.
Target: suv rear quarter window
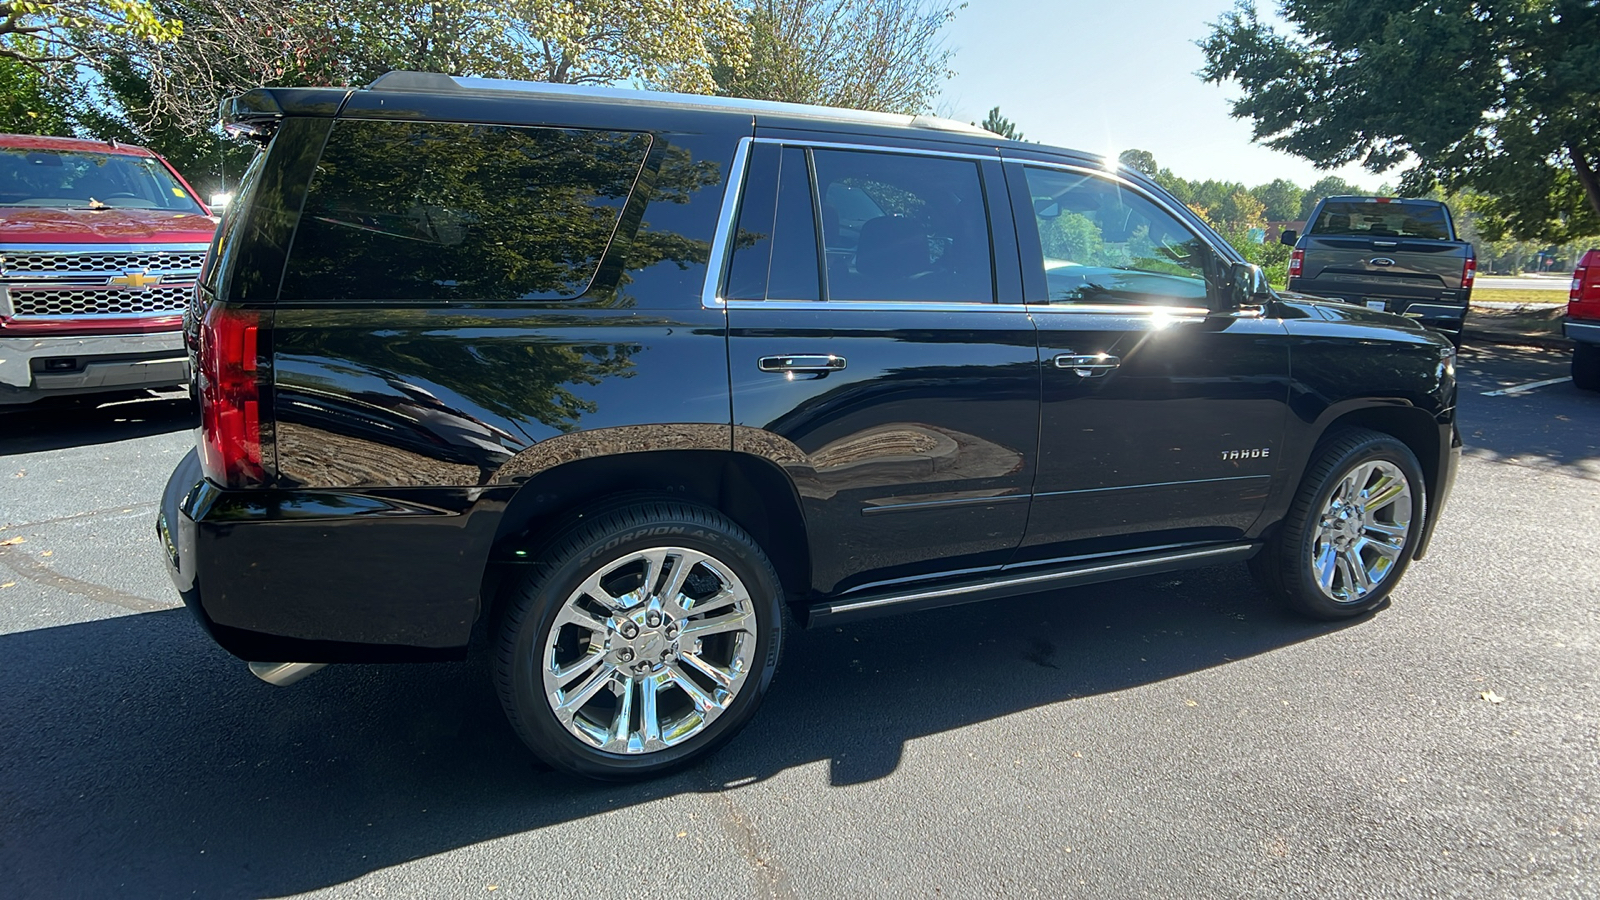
[(441, 211)]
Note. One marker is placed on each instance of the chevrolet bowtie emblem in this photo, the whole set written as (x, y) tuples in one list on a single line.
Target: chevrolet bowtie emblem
[(136, 279)]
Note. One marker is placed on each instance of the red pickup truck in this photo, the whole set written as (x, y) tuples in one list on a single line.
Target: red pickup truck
[(1583, 322), (100, 246)]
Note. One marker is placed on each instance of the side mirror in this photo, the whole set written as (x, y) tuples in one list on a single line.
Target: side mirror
[(1287, 237), (1249, 286), (1045, 208), (219, 202)]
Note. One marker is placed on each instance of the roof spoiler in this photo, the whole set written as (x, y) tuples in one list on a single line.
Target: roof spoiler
[(255, 114)]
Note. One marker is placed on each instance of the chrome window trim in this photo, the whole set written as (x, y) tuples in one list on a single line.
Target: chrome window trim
[(878, 148), (717, 262)]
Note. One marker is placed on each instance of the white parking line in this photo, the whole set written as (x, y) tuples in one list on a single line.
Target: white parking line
[(1532, 385)]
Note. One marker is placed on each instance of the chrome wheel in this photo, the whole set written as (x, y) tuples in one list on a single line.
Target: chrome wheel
[(1362, 531), (649, 650)]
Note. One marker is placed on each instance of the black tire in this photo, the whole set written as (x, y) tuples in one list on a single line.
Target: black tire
[(603, 546), (1586, 366), (1287, 568)]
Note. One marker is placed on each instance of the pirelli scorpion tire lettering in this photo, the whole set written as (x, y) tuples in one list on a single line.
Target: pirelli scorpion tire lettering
[(643, 639), (1352, 529)]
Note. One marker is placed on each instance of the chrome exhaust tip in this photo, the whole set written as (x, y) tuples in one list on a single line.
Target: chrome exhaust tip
[(284, 674)]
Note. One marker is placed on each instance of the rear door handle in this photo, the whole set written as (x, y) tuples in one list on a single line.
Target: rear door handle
[(825, 362), (1092, 365)]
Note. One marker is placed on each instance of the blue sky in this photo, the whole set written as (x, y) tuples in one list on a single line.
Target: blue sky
[(1109, 76)]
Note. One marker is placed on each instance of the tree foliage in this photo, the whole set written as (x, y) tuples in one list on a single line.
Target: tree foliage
[(34, 100), (1000, 125), (1497, 97), (884, 55), (40, 32), (1139, 161)]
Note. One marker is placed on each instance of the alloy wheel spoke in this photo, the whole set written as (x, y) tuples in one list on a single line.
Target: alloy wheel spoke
[(712, 672), (1381, 547), (592, 588), (621, 723), (565, 675), (649, 717), (1358, 572), (1384, 532), (682, 565), (572, 614), (702, 701), (1327, 566), (738, 620), (574, 701), (1386, 492)]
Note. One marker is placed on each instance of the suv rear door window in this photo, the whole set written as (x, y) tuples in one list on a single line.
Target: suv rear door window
[(437, 211), (903, 227), (775, 248), (1104, 243), (1392, 219)]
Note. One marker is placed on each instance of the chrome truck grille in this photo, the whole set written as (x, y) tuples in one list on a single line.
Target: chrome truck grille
[(40, 283)]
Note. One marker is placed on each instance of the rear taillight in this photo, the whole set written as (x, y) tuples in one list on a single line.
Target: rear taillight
[(1469, 270), (1297, 261), (1586, 279), (231, 378)]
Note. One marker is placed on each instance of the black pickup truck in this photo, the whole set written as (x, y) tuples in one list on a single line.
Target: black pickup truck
[(1387, 253)]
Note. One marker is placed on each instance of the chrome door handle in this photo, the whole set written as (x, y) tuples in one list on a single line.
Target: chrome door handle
[(1088, 365), (825, 362)]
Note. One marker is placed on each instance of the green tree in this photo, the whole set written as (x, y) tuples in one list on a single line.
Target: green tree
[(1280, 199), (40, 32), (229, 46), (885, 55), (1331, 186), (34, 100), (1501, 98), (1000, 125), (1139, 161)]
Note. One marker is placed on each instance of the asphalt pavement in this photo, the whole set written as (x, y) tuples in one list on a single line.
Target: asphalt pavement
[(1174, 736)]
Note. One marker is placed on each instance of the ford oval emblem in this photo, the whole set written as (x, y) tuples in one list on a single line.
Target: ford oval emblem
[(1381, 261)]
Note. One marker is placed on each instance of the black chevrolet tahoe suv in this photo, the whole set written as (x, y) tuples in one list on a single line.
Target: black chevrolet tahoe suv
[(1395, 254), (625, 385)]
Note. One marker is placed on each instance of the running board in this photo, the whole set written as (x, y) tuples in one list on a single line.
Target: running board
[(1013, 582)]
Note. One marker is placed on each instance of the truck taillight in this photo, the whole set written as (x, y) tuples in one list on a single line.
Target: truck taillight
[(230, 382), (1586, 279), (1297, 261), (1469, 270)]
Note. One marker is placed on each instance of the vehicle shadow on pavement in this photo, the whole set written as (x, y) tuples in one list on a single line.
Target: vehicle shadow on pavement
[(36, 430), (171, 771), (1552, 426)]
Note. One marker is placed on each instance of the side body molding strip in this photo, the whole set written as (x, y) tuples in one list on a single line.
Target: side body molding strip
[(992, 587)]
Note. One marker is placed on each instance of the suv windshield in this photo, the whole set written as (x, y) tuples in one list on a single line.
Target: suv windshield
[(79, 180), (1418, 220)]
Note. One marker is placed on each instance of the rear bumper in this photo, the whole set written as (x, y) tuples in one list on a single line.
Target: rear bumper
[(36, 366), (319, 576), (1584, 331)]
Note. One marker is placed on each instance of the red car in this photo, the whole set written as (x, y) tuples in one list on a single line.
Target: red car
[(100, 246), (1583, 322)]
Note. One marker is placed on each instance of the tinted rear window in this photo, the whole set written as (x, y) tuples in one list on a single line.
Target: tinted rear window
[(1418, 220), (434, 211)]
